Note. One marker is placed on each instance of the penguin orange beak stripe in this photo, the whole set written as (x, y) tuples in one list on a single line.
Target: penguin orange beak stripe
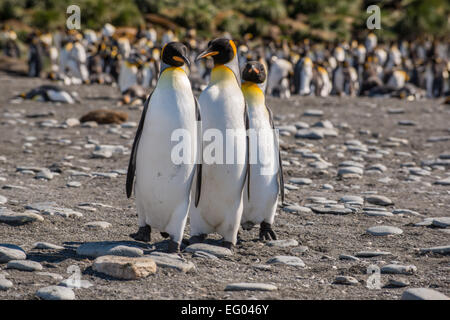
[(206, 54), (255, 70), (182, 59)]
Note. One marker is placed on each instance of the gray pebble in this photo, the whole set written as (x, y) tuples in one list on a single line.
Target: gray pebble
[(384, 230), (55, 293), (423, 294), (24, 265)]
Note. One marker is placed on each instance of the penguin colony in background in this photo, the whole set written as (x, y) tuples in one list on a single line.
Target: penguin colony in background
[(130, 58)]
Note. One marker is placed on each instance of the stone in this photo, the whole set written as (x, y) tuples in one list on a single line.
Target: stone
[(347, 280), (441, 222), (300, 181), (378, 213), (5, 284), (282, 243), (3, 199), (215, 250), (379, 200), (55, 293), (46, 246), (54, 276), (127, 268), (398, 269), (370, 254), (287, 260), (51, 208), (348, 257), (8, 216), (406, 211), (443, 182), (297, 209), (397, 283), (349, 170), (72, 122), (384, 230), (441, 250), (355, 199), (105, 248), (313, 134), (173, 261), (97, 225), (10, 252), (45, 174), (313, 113), (74, 184), (75, 283), (24, 265), (423, 294), (243, 286), (336, 210)]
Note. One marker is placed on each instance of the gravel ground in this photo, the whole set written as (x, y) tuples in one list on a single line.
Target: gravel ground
[(406, 174)]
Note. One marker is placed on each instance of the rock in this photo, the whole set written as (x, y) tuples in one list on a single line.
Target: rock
[(423, 294), (287, 260), (173, 261), (370, 254), (44, 174), (398, 283), (24, 265), (215, 250), (98, 225), (398, 269), (3, 200), (378, 213), (350, 170), (352, 199), (75, 284), (55, 293), (441, 222), (379, 200), (300, 181), (331, 210), (8, 216), (313, 134), (347, 280), (125, 267), (297, 209), (384, 230), (282, 243), (51, 208), (441, 250), (242, 286), (406, 211), (102, 154), (10, 252), (74, 184), (72, 122), (5, 284), (54, 276), (443, 182), (97, 249), (348, 257), (313, 113), (204, 255), (46, 246)]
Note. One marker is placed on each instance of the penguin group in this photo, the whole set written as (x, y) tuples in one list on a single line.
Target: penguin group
[(217, 195), (130, 58)]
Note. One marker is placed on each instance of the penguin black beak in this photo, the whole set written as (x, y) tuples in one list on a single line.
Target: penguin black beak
[(206, 53)]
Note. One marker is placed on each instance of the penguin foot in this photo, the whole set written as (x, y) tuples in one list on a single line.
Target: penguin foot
[(143, 234), (228, 245), (266, 232), (174, 247), (197, 239), (165, 235)]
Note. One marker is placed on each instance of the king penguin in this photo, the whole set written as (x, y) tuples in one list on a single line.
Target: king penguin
[(223, 111), (163, 183), (266, 172)]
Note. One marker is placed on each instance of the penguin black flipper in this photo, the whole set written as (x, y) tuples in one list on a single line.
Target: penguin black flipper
[(198, 166), (132, 164), (247, 126), (280, 163)]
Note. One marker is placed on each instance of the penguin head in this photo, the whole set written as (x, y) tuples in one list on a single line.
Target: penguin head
[(175, 54), (254, 72), (222, 51)]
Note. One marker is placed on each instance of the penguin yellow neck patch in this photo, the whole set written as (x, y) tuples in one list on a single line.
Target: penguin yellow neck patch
[(253, 94), (222, 73), (172, 76)]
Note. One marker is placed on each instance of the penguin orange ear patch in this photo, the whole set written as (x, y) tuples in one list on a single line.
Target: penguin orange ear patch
[(234, 47)]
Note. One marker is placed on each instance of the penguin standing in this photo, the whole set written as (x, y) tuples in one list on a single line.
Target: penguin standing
[(163, 185), (266, 174), (222, 107)]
